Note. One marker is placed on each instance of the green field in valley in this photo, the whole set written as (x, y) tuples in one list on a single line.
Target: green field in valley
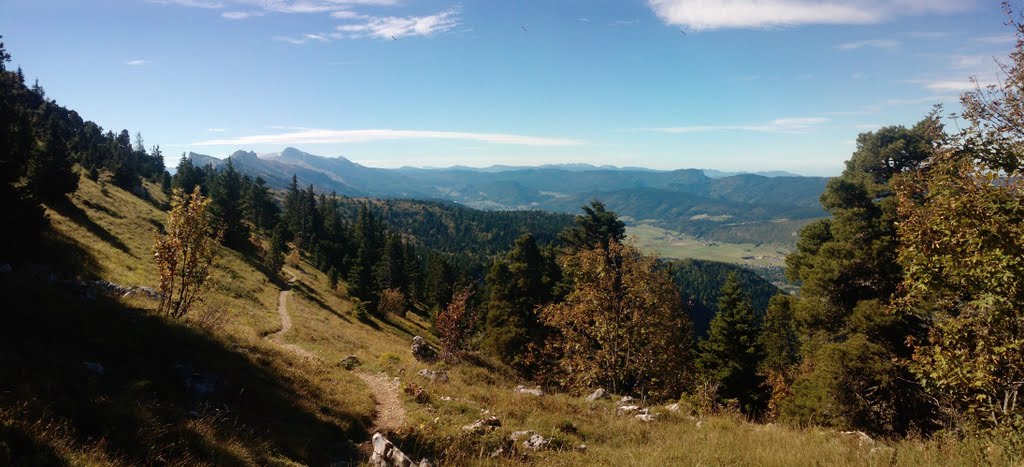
[(677, 245)]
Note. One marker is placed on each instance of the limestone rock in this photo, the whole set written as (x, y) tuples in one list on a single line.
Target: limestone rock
[(536, 443), (672, 407), (644, 415), (524, 390), (434, 375), (518, 435), (597, 395), (386, 454), (627, 409), (483, 425), (422, 351)]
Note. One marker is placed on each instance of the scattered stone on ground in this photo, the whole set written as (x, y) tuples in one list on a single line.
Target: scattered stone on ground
[(422, 351), (386, 454), (626, 400), (645, 415), (518, 435), (536, 442), (434, 375), (351, 362), (524, 390), (598, 395), (672, 407), (483, 425), (627, 409)]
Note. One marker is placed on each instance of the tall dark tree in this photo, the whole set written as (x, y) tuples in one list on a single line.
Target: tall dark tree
[(226, 197), (519, 284), (596, 227), (849, 272), (259, 206), (732, 352)]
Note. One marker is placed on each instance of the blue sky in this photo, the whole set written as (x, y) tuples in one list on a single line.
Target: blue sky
[(752, 85)]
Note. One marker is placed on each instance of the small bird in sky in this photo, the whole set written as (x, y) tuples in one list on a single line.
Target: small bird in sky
[(523, 26), (394, 38), (684, 32)]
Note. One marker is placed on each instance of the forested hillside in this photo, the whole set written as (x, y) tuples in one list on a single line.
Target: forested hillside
[(738, 208)]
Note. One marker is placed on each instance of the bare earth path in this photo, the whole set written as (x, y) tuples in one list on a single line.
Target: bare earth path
[(390, 415)]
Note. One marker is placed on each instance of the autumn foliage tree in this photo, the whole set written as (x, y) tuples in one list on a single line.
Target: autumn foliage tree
[(185, 253), (455, 324), (622, 326), (962, 248)]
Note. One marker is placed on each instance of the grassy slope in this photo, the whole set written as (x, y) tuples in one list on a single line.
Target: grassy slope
[(273, 408)]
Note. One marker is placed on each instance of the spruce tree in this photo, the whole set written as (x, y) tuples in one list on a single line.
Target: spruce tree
[(732, 353)]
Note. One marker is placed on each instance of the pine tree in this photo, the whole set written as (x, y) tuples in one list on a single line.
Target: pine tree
[(731, 353), (226, 196), (596, 227), (519, 284)]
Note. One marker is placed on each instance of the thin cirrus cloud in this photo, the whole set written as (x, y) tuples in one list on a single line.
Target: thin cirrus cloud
[(319, 136), (136, 62), (705, 15), (355, 24), (798, 125), (870, 43)]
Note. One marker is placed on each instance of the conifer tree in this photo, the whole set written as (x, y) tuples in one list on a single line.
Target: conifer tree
[(226, 197), (732, 353)]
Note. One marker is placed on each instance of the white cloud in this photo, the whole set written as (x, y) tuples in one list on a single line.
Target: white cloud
[(950, 85), (394, 26), (875, 43), (704, 14), (781, 125), (314, 136), (583, 20), (136, 62), (216, 130), (239, 15)]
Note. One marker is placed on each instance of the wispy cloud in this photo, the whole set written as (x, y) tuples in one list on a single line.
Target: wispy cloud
[(781, 125), (873, 43), (136, 62), (216, 130), (396, 27), (625, 22), (314, 136), (583, 20), (927, 34), (240, 15), (703, 14), (997, 39)]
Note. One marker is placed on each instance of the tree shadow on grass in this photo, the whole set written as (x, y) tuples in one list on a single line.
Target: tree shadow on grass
[(77, 215), (156, 390), (309, 294)]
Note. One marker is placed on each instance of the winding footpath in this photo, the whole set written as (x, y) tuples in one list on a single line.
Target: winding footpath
[(389, 414)]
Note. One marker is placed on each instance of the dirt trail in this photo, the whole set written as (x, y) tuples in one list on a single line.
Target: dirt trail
[(286, 325), (390, 414)]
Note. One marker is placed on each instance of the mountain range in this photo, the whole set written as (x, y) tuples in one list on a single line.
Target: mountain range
[(725, 207)]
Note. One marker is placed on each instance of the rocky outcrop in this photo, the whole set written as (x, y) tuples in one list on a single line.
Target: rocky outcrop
[(422, 351)]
